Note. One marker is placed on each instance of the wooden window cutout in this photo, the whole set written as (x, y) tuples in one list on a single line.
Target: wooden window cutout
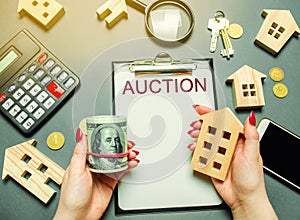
[(226, 135), (26, 158), (212, 130), (274, 25), (217, 165), (26, 175), (42, 168), (277, 35), (207, 145), (203, 160), (281, 29), (222, 150), (46, 4)]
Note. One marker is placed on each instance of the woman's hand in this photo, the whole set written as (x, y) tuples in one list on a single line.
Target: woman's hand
[(243, 190), (86, 195)]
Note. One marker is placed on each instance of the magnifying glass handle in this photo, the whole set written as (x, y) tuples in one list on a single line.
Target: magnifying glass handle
[(140, 6)]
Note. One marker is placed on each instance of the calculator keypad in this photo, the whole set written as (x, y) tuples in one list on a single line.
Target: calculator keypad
[(27, 85), (7, 104), (18, 94), (55, 89), (38, 113), (25, 100), (42, 96), (21, 117), (36, 90), (15, 110), (50, 101)]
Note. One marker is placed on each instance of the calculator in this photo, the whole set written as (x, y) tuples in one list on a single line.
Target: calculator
[(33, 82)]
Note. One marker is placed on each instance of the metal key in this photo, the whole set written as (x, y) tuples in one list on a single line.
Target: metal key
[(215, 25), (228, 50)]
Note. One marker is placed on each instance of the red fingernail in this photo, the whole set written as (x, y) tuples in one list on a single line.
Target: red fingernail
[(131, 143), (195, 106), (252, 118), (137, 160), (190, 132), (78, 135), (189, 146), (136, 152), (193, 123)]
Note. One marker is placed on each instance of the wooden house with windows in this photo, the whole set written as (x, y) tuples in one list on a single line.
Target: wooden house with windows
[(247, 88), (216, 143), (45, 12), (276, 30), (32, 169)]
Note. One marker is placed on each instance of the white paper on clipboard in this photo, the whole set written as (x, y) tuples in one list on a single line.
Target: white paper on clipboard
[(159, 112)]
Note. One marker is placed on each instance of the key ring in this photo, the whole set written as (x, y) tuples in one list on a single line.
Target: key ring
[(219, 14)]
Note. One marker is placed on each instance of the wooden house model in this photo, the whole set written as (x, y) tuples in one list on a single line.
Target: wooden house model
[(216, 143), (32, 169), (247, 88), (276, 30), (112, 11), (45, 12)]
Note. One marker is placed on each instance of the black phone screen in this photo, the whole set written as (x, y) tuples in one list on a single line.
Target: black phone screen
[(280, 151)]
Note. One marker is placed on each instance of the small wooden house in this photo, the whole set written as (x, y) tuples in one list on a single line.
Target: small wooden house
[(278, 27), (32, 169), (216, 143), (247, 88), (113, 11), (45, 12)]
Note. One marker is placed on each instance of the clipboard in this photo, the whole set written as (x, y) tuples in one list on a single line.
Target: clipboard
[(157, 96)]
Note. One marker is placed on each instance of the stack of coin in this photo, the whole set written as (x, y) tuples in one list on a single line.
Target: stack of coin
[(279, 89)]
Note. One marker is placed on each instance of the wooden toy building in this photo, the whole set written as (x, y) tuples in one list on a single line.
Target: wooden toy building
[(32, 169), (113, 11), (247, 88), (216, 143), (278, 27), (46, 12)]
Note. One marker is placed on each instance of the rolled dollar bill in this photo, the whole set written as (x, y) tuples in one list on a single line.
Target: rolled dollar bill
[(107, 143)]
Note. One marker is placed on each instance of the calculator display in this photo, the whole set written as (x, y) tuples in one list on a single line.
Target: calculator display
[(33, 82), (7, 60)]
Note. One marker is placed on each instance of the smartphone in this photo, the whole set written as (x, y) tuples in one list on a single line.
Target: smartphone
[(280, 151)]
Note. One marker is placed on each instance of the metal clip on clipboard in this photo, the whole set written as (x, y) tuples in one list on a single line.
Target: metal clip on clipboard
[(163, 64)]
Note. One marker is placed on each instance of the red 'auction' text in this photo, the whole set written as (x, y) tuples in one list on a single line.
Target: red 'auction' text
[(139, 86)]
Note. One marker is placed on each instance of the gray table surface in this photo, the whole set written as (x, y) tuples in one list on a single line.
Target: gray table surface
[(79, 36)]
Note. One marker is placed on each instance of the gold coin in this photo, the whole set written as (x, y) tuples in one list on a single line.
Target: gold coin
[(55, 140), (276, 74), (82, 126), (235, 31), (280, 90)]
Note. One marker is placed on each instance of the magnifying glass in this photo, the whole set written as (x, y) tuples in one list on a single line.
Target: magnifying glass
[(167, 20)]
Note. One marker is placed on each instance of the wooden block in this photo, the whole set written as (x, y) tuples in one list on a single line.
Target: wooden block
[(216, 143), (247, 88), (32, 169), (113, 11), (45, 12), (276, 30)]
